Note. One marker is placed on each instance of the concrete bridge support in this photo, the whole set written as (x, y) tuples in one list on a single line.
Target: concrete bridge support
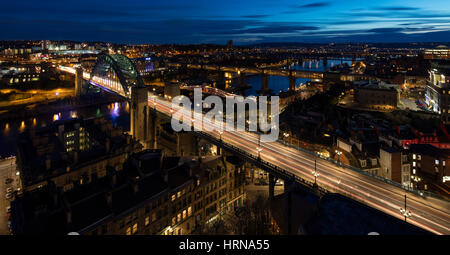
[(292, 81), (78, 81), (142, 124), (241, 79), (264, 82), (272, 181), (220, 83)]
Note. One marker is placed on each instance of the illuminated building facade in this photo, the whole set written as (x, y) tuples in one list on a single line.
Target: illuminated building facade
[(437, 95)]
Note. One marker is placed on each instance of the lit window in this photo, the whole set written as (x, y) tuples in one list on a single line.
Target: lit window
[(128, 231), (147, 220), (135, 228), (178, 194), (189, 211), (436, 161), (179, 217), (184, 214), (414, 156)]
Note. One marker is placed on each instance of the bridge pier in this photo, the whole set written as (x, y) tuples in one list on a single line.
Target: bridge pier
[(220, 84), (292, 81), (78, 81), (140, 123), (272, 180), (241, 79), (264, 83)]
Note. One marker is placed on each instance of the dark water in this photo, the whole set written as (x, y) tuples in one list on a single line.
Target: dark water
[(117, 112)]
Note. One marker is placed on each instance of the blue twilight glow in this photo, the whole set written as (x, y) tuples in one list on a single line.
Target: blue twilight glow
[(211, 21)]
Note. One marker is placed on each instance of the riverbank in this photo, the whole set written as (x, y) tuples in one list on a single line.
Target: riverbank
[(45, 107)]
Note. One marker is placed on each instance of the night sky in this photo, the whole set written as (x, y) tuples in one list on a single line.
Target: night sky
[(214, 21)]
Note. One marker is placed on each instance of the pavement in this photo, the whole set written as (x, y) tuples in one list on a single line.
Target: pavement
[(7, 170)]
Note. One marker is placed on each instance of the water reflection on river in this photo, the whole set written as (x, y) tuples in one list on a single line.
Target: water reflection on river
[(117, 112)]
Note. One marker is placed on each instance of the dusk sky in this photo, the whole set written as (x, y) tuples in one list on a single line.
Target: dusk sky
[(211, 21)]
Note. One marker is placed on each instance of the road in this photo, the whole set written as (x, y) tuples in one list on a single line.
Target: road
[(428, 213), (7, 170)]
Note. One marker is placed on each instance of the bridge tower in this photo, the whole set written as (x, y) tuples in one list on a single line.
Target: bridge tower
[(78, 81), (142, 124), (292, 80)]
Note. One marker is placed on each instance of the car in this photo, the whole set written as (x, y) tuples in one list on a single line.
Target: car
[(8, 195), (8, 180), (9, 190)]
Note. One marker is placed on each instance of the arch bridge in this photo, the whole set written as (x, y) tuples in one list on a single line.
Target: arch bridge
[(116, 73)]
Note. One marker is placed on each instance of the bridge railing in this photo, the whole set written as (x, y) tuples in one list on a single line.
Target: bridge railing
[(358, 170), (335, 162), (259, 161)]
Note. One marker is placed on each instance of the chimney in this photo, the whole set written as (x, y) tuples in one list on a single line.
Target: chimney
[(108, 145), (136, 187), (166, 176), (109, 199), (48, 162), (75, 157), (69, 216)]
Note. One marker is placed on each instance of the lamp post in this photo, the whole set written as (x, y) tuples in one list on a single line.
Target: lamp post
[(315, 173), (286, 135), (220, 135), (405, 211), (339, 153), (259, 149)]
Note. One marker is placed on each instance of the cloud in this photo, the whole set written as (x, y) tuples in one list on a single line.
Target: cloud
[(397, 8), (255, 16), (314, 5)]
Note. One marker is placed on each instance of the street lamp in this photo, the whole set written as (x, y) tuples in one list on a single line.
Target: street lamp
[(220, 134), (315, 173), (405, 212), (339, 153), (259, 149)]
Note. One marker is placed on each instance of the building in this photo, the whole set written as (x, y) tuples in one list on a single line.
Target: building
[(395, 165), (440, 52), (437, 95), (153, 194), (429, 163), (377, 95), (71, 152)]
